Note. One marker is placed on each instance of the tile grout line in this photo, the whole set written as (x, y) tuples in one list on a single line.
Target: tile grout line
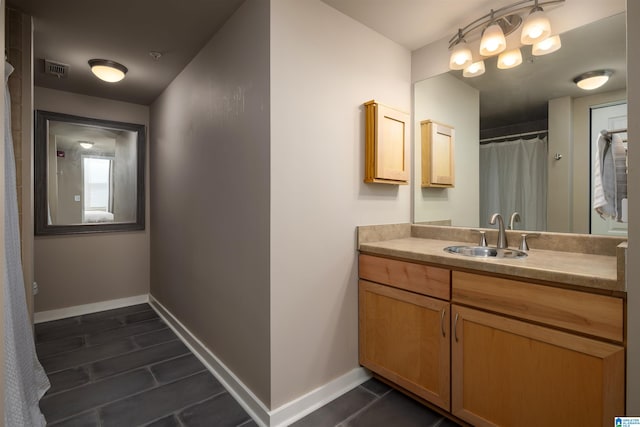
[(93, 380), (365, 407), (102, 405), (116, 355)]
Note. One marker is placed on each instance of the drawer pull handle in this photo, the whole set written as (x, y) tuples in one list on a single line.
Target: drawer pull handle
[(455, 327), (444, 310)]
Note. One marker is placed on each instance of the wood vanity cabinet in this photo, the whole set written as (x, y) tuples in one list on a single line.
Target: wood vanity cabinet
[(493, 351), (404, 335), (509, 372)]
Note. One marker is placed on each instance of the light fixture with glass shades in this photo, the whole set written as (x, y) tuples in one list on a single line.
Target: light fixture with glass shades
[(494, 28), (593, 79), (548, 45), (509, 59), (474, 70), (107, 70), (536, 27), (460, 56), (493, 41)]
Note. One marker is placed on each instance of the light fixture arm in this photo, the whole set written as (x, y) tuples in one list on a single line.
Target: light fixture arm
[(497, 14)]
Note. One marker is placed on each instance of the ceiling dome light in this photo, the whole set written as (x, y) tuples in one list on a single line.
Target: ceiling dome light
[(509, 59), (536, 26), (548, 45), (460, 56), (109, 71), (474, 70), (493, 41), (85, 144), (592, 79)]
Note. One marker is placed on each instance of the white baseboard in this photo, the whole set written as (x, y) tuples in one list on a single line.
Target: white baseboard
[(282, 416), (78, 310), (305, 404)]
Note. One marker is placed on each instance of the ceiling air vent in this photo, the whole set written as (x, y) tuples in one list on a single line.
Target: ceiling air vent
[(57, 69)]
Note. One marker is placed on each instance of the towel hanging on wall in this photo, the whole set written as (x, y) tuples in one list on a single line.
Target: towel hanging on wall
[(610, 177)]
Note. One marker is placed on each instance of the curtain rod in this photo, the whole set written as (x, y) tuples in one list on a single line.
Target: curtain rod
[(514, 135)]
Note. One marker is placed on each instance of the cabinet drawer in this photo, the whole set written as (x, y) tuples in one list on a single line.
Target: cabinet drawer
[(432, 281), (597, 315)]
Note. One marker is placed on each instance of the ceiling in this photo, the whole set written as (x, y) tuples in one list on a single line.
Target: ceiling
[(125, 31), (74, 31), (415, 23), (506, 96)]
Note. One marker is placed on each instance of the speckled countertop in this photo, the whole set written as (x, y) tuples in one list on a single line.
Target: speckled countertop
[(575, 269)]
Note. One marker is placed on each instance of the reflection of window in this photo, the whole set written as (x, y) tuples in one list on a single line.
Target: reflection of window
[(97, 175)]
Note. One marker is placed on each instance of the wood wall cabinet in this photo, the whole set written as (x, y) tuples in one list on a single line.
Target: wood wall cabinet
[(386, 144), (438, 162), (507, 372)]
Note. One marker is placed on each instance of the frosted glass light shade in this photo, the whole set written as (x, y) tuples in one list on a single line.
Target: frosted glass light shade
[(593, 79), (535, 28), (85, 144), (460, 57), (493, 41), (107, 70), (548, 45), (475, 69), (509, 59)]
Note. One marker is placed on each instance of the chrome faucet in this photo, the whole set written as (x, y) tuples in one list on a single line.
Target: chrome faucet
[(515, 217), (502, 237)]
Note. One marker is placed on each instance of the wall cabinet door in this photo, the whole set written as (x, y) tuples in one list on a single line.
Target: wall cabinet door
[(386, 144), (507, 372), (404, 337)]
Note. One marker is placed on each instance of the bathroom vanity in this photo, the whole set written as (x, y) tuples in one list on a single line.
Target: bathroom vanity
[(528, 342)]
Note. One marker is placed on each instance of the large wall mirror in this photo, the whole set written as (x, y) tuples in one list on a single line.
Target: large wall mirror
[(89, 175), (537, 100)]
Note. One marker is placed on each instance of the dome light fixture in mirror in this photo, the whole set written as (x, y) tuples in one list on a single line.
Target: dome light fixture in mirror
[(592, 79), (107, 70), (498, 24)]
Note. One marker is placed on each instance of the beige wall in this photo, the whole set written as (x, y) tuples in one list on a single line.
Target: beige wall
[(448, 100), (82, 269), (633, 255), (559, 171), (210, 196), (324, 66)]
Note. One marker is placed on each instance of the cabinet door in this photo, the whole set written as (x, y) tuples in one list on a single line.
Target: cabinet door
[(386, 144), (437, 154), (507, 372), (404, 337)]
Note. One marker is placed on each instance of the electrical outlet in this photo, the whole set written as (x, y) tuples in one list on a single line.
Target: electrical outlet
[(35, 288)]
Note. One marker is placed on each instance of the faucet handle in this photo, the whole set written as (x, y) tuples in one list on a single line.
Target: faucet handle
[(524, 246), (483, 237)]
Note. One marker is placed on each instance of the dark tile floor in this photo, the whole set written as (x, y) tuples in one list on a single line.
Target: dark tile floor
[(374, 404), (126, 368)]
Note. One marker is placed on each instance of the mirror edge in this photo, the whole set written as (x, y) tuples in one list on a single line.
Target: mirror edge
[(41, 226)]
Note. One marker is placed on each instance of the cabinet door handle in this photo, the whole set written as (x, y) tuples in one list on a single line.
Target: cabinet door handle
[(455, 327), (444, 310)]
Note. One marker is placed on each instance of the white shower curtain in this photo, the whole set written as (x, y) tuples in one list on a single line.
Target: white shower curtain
[(513, 178), (25, 380)]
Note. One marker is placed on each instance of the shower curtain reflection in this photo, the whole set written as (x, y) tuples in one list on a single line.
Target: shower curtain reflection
[(513, 178)]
